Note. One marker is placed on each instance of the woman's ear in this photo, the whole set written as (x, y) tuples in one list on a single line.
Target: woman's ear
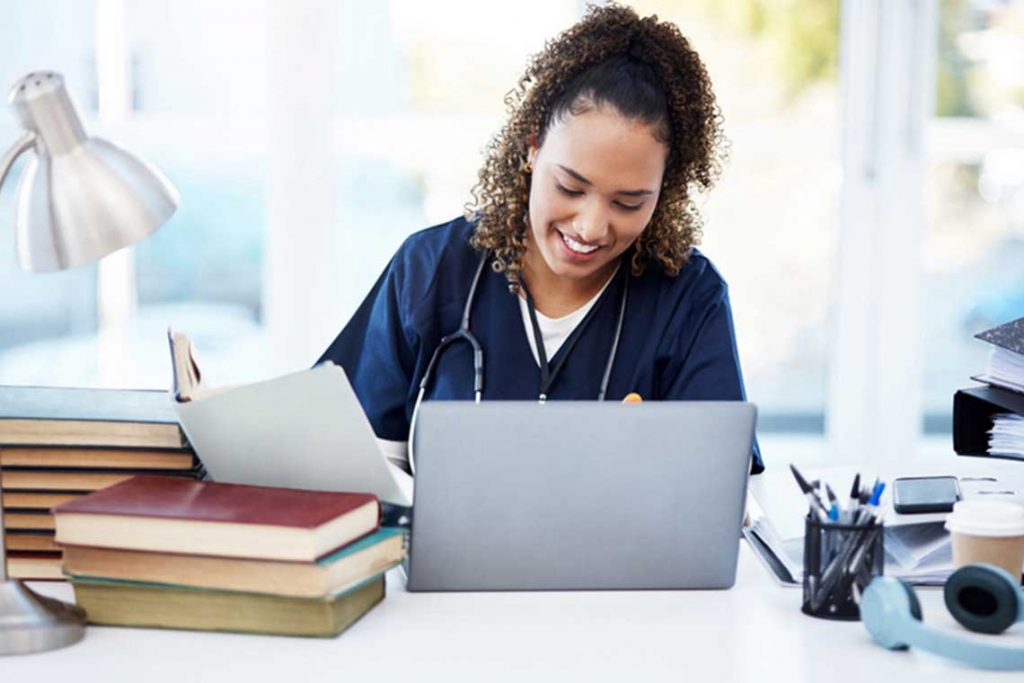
[(531, 155)]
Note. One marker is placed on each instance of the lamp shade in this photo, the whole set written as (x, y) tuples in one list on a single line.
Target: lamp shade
[(80, 198)]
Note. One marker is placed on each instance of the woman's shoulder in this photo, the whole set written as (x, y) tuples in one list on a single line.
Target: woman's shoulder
[(698, 278), (444, 244), (453, 234), (435, 262)]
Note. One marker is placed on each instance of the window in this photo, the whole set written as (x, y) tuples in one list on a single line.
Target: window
[(771, 224), (974, 238)]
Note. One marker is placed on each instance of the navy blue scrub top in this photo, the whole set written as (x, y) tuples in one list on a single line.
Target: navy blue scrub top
[(677, 340)]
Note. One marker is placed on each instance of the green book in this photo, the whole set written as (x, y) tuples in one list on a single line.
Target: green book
[(59, 416), (125, 603)]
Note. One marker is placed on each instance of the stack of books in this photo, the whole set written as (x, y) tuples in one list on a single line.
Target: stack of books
[(168, 553), (58, 444), (989, 420)]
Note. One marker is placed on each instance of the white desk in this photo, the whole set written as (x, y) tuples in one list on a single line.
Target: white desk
[(754, 632)]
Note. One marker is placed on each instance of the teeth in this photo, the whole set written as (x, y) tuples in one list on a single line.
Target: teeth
[(576, 246)]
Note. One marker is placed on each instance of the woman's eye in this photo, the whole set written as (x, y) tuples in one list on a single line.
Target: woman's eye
[(578, 193), (567, 191)]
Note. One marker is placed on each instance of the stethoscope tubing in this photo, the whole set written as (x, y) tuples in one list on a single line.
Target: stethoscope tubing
[(465, 333)]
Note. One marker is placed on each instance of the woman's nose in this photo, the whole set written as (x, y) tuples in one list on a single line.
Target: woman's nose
[(591, 224)]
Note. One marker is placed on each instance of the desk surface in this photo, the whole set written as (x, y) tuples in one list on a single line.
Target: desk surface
[(750, 633)]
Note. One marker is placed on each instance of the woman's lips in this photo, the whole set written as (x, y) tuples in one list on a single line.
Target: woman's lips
[(570, 246)]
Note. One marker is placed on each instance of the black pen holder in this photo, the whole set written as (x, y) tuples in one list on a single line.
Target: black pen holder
[(838, 557)]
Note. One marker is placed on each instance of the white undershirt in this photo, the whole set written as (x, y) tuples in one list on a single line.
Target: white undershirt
[(555, 331)]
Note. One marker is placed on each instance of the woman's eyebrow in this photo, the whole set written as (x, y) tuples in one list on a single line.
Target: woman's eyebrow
[(581, 179)]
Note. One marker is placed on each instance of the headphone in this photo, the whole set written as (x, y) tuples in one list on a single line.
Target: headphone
[(981, 597)]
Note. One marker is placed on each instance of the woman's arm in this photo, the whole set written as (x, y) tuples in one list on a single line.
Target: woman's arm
[(378, 351), (703, 363)]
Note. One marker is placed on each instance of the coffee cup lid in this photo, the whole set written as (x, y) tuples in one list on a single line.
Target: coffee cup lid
[(986, 518)]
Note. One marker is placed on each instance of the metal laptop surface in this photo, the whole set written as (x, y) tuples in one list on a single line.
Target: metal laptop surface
[(578, 495)]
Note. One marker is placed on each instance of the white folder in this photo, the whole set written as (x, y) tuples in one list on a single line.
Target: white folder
[(304, 430)]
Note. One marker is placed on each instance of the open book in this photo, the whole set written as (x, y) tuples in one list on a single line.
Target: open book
[(303, 430)]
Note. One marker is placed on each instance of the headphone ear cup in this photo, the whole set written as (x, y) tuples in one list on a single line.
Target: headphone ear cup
[(983, 598), (887, 610)]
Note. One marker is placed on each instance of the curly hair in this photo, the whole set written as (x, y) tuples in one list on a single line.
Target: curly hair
[(645, 70)]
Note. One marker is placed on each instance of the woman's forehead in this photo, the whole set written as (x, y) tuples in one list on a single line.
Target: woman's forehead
[(602, 145)]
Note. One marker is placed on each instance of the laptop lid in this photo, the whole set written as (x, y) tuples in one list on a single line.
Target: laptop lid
[(579, 495)]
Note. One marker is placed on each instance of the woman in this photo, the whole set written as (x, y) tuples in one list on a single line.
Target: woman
[(581, 235)]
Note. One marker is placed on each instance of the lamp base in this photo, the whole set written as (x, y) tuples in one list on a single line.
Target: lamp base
[(30, 622)]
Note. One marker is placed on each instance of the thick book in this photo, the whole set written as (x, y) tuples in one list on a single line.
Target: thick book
[(57, 416), (119, 603), (69, 480), (306, 429), (34, 566), (177, 515), (328, 575), (31, 541), (96, 458), (36, 500), (1006, 360), (36, 520)]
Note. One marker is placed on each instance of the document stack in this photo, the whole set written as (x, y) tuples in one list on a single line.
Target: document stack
[(989, 420), (58, 444), (174, 553)]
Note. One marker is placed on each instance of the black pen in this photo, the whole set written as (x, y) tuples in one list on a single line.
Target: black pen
[(816, 507), (854, 496)]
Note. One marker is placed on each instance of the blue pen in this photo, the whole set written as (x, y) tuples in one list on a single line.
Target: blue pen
[(876, 495), (833, 510), (871, 507)]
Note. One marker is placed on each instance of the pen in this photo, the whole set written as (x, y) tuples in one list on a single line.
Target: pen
[(876, 495), (854, 568), (869, 511), (833, 510), (854, 495), (817, 509)]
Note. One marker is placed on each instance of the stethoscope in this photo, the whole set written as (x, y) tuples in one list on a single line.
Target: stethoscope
[(548, 374)]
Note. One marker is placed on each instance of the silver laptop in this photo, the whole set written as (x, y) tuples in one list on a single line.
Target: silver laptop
[(578, 495)]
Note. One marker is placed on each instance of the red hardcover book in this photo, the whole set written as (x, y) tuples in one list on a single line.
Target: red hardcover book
[(163, 514)]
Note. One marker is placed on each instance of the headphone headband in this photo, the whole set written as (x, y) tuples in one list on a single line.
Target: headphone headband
[(892, 615)]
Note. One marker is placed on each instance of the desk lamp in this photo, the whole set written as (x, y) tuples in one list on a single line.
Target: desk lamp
[(80, 199)]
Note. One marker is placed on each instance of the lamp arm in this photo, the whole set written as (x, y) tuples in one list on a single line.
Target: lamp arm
[(7, 161)]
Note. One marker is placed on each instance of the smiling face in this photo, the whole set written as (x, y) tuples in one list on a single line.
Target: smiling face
[(596, 181)]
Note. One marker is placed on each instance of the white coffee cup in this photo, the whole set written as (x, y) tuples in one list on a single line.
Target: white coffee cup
[(989, 531)]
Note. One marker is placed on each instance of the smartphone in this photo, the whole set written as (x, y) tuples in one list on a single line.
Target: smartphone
[(913, 495)]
